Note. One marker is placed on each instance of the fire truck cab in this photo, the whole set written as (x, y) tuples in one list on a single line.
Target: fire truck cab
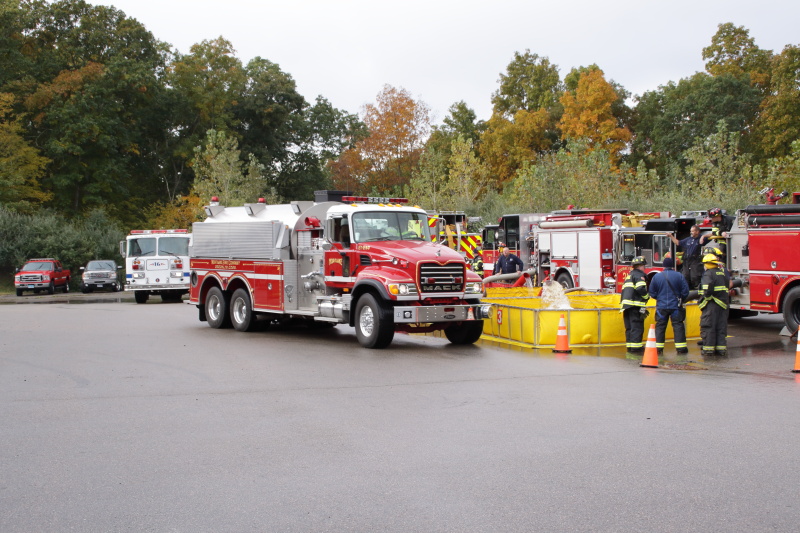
[(365, 262), (156, 262)]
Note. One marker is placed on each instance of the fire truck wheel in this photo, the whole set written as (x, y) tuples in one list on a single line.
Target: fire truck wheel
[(141, 297), (242, 315), (217, 309), (565, 280), (791, 309), (374, 326), (465, 332)]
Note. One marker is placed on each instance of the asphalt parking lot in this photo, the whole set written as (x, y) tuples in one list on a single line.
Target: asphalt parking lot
[(126, 417)]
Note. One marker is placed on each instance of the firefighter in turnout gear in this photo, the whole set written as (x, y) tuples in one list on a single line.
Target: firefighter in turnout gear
[(477, 262), (714, 299), (632, 302)]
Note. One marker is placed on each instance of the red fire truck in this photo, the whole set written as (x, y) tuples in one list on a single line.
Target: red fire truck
[(366, 262), (763, 252), (592, 249)]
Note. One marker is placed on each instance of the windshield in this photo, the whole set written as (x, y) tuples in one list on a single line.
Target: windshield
[(142, 246), (173, 246), (38, 265), (390, 226), (101, 265)]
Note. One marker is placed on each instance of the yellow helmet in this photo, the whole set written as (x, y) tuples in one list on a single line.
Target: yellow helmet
[(710, 258)]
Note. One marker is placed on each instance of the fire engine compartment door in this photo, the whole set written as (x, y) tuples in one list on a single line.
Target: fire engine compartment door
[(310, 270), (589, 265)]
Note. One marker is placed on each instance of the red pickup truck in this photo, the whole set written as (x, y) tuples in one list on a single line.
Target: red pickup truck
[(41, 274)]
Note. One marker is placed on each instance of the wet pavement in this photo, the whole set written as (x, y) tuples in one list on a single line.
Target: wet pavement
[(119, 416)]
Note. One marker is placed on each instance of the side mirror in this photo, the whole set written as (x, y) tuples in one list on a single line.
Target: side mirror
[(326, 246), (83, 268)]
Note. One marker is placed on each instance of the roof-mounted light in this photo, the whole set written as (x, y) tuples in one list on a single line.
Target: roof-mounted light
[(374, 200)]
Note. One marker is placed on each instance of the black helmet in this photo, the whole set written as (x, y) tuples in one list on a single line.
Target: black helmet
[(714, 211), (638, 260)]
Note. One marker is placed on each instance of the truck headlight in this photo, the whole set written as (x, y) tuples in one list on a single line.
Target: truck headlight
[(475, 287), (45, 277), (402, 289)]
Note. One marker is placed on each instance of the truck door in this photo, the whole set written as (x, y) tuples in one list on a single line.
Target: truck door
[(589, 266)]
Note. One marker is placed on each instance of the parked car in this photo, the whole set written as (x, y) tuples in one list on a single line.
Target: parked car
[(100, 274), (46, 274)]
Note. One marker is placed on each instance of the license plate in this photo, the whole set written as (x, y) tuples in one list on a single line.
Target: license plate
[(31, 286)]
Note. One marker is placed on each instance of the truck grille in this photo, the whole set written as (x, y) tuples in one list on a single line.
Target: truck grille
[(438, 278), (30, 278)]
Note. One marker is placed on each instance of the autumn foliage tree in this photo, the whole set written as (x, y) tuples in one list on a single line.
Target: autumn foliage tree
[(385, 160), (588, 115)]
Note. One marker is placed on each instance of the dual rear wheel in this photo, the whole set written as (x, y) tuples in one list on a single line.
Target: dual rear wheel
[(223, 310)]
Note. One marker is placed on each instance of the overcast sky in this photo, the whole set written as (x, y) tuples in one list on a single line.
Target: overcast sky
[(444, 51)]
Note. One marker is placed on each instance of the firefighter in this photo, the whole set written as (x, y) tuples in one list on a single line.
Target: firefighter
[(507, 263), (477, 262), (714, 299), (721, 225), (632, 303), (692, 267), (670, 291)]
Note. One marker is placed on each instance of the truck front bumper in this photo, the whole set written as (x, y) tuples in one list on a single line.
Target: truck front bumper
[(440, 313), (26, 286)]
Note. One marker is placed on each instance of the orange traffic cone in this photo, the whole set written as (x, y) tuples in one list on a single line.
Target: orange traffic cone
[(650, 358), (562, 339), (797, 356)]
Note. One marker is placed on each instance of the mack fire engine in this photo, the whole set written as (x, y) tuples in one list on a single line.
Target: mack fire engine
[(156, 262), (365, 262)]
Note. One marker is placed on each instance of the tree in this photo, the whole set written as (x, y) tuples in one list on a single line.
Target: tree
[(91, 89), (506, 145), (733, 52), (672, 117), (572, 175), (425, 187), (717, 171), (21, 166), (778, 125), (467, 177), (385, 160), (588, 115), (219, 171), (460, 121), (531, 83)]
